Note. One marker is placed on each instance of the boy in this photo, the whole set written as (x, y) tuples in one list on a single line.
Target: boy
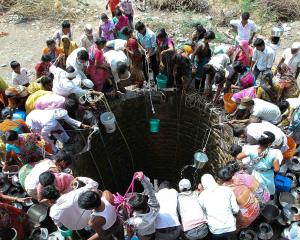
[(19, 75)]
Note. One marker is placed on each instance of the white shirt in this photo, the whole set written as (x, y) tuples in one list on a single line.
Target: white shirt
[(264, 60), (63, 86), (44, 121), (112, 57), (266, 111), (20, 79), (32, 179), (168, 216), (66, 210), (292, 60), (219, 205), (58, 35), (78, 66), (294, 102), (117, 44), (85, 42), (219, 62), (255, 131), (244, 32)]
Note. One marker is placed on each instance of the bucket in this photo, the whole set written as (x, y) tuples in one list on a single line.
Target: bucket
[(293, 177), (37, 213), (270, 212), (200, 159), (8, 234), (286, 198), (65, 232), (282, 183), (162, 81), (154, 125), (229, 105), (247, 234), (108, 120), (292, 148), (39, 233)]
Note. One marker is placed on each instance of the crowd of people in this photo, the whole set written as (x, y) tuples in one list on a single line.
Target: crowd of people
[(35, 113)]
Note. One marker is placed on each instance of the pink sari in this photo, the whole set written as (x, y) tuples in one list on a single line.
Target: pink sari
[(248, 92)]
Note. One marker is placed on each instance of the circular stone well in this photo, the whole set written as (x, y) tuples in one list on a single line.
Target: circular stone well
[(114, 157)]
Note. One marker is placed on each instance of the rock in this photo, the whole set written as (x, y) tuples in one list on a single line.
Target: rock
[(4, 65)]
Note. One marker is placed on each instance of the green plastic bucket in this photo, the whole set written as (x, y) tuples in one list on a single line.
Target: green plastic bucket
[(154, 125), (162, 81), (65, 232)]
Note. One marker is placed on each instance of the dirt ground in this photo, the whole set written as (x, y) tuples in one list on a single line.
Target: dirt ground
[(25, 41)]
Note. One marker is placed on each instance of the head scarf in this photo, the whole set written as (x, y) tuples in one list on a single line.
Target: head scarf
[(244, 45), (132, 44), (208, 182), (296, 45)]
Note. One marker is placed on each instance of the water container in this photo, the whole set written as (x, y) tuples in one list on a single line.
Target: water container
[(270, 212), (229, 105), (292, 149), (200, 159), (19, 114), (108, 120), (282, 183), (162, 81), (154, 125), (65, 232)]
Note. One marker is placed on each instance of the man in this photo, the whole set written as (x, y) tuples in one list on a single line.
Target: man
[(42, 68), (263, 58), (246, 29), (291, 57), (167, 223), (253, 131), (65, 210), (145, 210), (192, 217), (46, 123), (65, 30), (104, 218), (147, 40), (260, 110), (88, 38), (220, 206), (19, 75), (78, 59)]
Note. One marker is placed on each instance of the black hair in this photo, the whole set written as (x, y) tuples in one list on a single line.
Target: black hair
[(259, 42), (233, 165), (50, 42), (200, 28), (210, 35), (5, 112), (89, 200), (46, 58), (46, 178), (245, 15), (224, 173), (139, 202), (162, 34), (103, 16), (121, 67), (118, 12), (283, 106), (71, 105), (165, 184), (70, 69), (275, 40), (139, 26), (50, 192), (219, 77), (268, 76), (65, 24), (126, 31), (46, 80), (14, 64), (266, 140), (50, 75), (238, 67), (237, 132), (100, 41), (63, 155), (235, 150), (83, 55), (11, 135)]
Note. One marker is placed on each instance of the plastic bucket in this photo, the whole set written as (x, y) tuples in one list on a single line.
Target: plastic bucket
[(283, 183), (65, 232), (154, 125), (229, 105), (108, 120), (162, 81), (292, 148)]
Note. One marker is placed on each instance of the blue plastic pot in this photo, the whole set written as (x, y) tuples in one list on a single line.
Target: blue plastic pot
[(154, 125)]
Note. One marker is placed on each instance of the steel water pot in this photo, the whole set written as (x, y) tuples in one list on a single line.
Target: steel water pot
[(291, 212), (286, 198), (265, 231), (293, 177), (277, 31), (270, 212), (248, 234), (37, 213), (294, 164), (296, 193), (200, 159)]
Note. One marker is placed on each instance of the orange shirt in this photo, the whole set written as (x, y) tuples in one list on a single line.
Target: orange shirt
[(58, 51), (113, 4)]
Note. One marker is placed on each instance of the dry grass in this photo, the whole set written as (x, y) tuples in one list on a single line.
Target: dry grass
[(172, 5)]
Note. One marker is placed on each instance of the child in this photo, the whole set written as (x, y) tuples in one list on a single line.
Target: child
[(127, 9), (19, 75), (106, 28)]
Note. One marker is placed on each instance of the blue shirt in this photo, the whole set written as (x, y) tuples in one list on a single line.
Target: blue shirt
[(148, 41)]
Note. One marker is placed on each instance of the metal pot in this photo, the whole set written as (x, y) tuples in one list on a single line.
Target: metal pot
[(39, 234), (37, 213), (296, 193), (200, 159), (248, 234), (291, 212), (277, 31), (293, 177), (8, 234), (283, 221), (270, 212), (286, 198), (15, 181), (265, 231), (12, 170), (294, 164)]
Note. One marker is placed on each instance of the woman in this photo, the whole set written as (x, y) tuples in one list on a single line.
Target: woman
[(165, 53), (182, 70), (249, 205), (23, 148), (135, 58), (97, 68), (106, 28), (11, 217), (120, 22), (264, 161), (259, 190), (67, 46), (198, 34), (200, 57), (243, 53)]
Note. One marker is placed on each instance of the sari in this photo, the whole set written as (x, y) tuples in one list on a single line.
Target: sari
[(242, 53), (246, 79), (120, 23), (106, 30), (17, 125)]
